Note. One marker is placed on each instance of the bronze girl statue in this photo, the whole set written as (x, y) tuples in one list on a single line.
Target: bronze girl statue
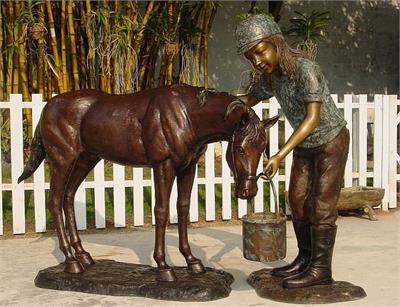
[(319, 142)]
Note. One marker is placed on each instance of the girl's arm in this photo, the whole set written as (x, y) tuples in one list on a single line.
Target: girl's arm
[(311, 120)]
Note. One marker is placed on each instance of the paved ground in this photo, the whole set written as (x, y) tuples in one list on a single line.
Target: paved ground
[(366, 254)]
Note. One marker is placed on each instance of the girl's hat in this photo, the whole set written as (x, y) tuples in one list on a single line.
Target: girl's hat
[(254, 29)]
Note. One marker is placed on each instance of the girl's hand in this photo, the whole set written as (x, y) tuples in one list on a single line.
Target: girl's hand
[(272, 166)]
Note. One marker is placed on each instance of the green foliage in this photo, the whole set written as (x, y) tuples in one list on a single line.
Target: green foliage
[(255, 11), (309, 27)]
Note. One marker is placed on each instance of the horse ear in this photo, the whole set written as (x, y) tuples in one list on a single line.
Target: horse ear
[(268, 123), (234, 105)]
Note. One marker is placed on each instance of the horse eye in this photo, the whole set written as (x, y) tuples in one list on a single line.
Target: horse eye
[(240, 151)]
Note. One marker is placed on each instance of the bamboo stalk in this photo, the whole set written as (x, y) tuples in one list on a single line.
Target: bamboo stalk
[(40, 66), (10, 54), (53, 41), (205, 61), (24, 69), (146, 17), (2, 84), (64, 49), (82, 49), (22, 58), (72, 38), (208, 20), (15, 86), (91, 53), (169, 57), (132, 15), (197, 57)]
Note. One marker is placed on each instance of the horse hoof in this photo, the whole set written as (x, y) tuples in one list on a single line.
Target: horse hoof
[(166, 275), (196, 267), (85, 259), (74, 267)]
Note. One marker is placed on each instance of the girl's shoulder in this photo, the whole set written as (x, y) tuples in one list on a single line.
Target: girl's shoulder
[(306, 64), (307, 68)]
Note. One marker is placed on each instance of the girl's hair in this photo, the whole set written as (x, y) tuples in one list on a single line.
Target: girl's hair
[(287, 54)]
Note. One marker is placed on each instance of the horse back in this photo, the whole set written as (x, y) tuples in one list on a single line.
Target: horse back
[(143, 128)]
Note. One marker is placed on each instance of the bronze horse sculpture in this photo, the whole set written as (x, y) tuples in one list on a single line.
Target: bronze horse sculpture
[(167, 128)]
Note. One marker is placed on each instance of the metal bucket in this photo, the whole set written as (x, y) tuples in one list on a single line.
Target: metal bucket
[(264, 234)]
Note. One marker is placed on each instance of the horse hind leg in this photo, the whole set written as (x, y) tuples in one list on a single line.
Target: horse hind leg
[(59, 175), (81, 168)]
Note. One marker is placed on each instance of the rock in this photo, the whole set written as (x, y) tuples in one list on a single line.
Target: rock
[(109, 277)]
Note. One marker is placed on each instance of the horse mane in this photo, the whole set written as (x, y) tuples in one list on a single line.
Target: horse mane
[(253, 130), (205, 92)]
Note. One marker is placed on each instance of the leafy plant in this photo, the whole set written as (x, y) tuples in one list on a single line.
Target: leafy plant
[(310, 30), (255, 11)]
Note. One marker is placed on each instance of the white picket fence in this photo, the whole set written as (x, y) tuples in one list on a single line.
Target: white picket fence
[(381, 114)]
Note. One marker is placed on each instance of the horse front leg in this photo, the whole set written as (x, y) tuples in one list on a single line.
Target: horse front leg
[(164, 175), (185, 185)]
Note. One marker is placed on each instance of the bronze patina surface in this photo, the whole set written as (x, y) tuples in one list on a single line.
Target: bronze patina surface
[(270, 287), (264, 237), (166, 128), (109, 277)]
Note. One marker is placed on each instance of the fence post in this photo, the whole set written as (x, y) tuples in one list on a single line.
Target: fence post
[(173, 213), (385, 150), (392, 174), (348, 116), (138, 203), (17, 163), (210, 183), (80, 207), (99, 201), (378, 141), (273, 149), (362, 141), (259, 198), (1, 179), (119, 195), (38, 177), (226, 185), (194, 200), (288, 164)]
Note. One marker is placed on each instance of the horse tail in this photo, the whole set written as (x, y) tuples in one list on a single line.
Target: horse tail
[(37, 155)]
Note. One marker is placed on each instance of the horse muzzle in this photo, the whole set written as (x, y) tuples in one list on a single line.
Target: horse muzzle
[(246, 188)]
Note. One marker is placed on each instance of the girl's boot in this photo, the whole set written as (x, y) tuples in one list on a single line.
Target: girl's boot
[(319, 271), (303, 235)]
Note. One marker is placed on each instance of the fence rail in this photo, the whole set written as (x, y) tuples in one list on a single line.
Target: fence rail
[(374, 133)]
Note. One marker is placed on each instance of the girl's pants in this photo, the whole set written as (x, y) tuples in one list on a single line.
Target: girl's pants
[(316, 179)]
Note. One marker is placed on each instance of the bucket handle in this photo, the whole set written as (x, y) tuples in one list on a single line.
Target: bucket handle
[(267, 178)]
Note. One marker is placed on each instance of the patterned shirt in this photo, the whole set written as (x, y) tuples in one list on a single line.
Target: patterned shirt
[(308, 84)]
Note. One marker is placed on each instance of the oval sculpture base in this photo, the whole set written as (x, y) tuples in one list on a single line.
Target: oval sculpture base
[(110, 277), (270, 287)]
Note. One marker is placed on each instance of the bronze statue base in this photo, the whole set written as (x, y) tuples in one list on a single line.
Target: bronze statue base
[(109, 277), (270, 287)]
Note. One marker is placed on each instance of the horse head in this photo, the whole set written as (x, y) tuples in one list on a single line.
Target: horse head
[(247, 143)]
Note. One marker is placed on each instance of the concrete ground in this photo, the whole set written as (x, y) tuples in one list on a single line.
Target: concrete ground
[(366, 254)]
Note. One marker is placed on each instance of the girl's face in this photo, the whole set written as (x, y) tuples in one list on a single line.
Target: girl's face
[(264, 57)]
